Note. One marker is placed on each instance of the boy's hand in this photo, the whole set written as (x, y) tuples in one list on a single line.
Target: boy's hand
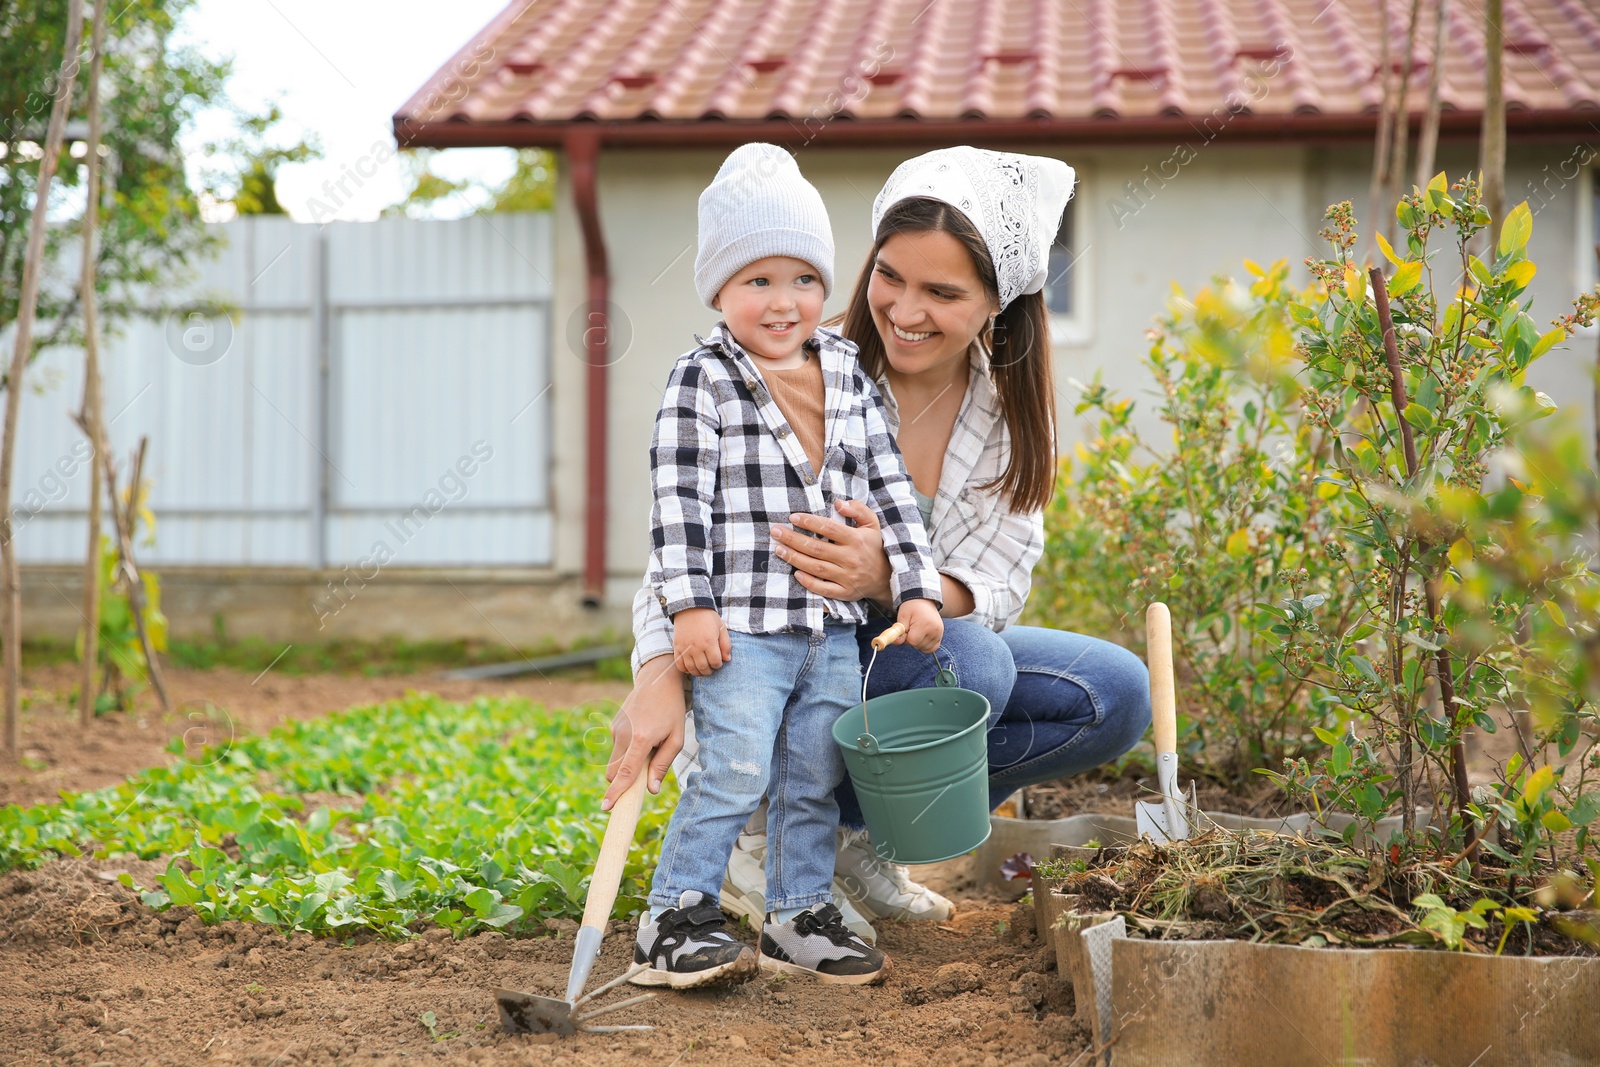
[(924, 626), (700, 641)]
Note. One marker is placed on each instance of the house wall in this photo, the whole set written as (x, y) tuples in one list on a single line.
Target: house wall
[(1216, 206)]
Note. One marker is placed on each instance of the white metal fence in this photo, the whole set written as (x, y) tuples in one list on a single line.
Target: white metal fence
[(381, 396)]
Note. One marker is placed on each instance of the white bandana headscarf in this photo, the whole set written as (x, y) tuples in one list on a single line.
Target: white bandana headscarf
[(1015, 201)]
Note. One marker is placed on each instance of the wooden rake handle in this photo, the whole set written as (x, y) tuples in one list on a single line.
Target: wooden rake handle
[(607, 877)]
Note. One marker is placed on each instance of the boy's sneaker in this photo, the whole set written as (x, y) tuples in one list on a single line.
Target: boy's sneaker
[(816, 943), (744, 889), (880, 889), (687, 947)]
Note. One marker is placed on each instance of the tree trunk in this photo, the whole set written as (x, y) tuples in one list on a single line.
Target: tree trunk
[(1492, 143), (27, 307), (90, 416), (1428, 139)]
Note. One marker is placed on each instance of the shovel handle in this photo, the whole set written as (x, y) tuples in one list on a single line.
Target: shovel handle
[(607, 877), (889, 636), (1163, 695)]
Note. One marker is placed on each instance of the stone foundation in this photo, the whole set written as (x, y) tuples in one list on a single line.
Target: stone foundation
[(518, 608)]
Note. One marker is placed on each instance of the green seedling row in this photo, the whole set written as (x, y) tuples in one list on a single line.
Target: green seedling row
[(469, 816)]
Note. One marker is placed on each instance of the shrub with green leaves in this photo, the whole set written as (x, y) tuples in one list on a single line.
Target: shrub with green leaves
[(470, 816), (1228, 514), (1475, 598)]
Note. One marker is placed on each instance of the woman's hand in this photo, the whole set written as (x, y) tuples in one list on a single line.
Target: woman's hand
[(650, 720), (849, 565)]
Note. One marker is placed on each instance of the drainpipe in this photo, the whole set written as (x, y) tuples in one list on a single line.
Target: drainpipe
[(583, 151)]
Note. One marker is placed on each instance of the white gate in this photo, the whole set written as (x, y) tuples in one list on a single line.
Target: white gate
[(380, 395)]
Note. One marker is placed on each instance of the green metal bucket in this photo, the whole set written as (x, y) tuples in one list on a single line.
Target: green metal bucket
[(922, 773)]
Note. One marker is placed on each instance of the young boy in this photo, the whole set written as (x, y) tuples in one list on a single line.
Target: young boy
[(769, 416)]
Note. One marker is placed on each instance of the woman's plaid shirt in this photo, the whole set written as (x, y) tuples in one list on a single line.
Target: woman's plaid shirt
[(725, 468)]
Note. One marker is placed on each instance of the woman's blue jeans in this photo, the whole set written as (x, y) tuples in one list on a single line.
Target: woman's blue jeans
[(1060, 703)]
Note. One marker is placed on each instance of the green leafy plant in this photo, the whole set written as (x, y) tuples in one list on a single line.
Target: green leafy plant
[(1446, 923), (122, 660), (1461, 582), (430, 1022), (1449, 925), (1231, 512), (470, 816), (1349, 776), (1509, 917)]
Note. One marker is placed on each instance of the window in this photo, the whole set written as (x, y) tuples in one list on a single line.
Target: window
[(1066, 286), (1588, 257), (1059, 282)]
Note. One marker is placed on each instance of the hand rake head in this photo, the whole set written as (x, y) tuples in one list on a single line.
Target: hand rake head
[(525, 1013)]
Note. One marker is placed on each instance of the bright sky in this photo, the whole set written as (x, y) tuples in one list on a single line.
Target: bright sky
[(339, 69)]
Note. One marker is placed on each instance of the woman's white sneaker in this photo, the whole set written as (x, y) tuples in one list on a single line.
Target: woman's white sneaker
[(744, 889), (882, 890), (817, 943)]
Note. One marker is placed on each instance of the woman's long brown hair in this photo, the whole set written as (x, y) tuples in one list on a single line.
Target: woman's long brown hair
[(1018, 347)]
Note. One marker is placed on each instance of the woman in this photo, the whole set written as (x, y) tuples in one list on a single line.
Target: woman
[(950, 319)]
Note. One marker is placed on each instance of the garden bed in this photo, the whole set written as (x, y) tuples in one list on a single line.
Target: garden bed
[(59, 755), (1277, 889), (1260, 948), (96, 974)]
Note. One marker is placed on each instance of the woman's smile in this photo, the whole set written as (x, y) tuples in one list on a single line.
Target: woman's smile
[(910, 338)]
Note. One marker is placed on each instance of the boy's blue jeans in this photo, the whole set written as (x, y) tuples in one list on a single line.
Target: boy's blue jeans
[(764, 722)]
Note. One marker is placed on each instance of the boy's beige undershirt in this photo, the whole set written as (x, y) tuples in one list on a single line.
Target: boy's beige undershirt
[(799, 395)]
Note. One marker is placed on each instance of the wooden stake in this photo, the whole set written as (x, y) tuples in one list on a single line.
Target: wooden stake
[(1380, 149), (1428, 139), (1492, 141), (1399, 128), (90, 414), (27, 308)]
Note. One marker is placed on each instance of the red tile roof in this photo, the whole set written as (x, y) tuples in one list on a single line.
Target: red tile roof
[(876, 71)]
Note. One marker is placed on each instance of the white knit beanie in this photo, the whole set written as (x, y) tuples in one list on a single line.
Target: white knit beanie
[(757, 206)]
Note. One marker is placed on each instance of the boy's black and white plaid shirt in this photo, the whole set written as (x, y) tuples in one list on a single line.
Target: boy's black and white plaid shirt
[(725, 468)]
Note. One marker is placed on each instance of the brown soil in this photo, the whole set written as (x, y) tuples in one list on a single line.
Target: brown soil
[(91, 976), (57, 754), (1092, 793), (94, 977)]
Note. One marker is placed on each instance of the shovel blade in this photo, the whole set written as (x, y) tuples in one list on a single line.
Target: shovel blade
[(524, 1013), (1161, 821)]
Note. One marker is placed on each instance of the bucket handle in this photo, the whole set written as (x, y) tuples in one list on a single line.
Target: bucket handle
[(943, 677)]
